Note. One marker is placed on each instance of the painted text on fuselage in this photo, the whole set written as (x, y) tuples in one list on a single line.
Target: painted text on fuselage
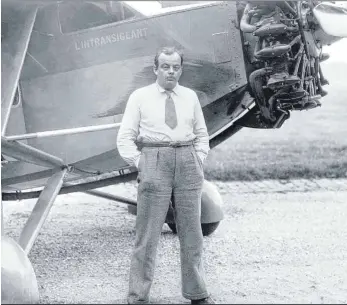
[(109, 39)]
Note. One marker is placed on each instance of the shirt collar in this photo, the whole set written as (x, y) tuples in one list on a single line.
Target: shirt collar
[(162, 90)]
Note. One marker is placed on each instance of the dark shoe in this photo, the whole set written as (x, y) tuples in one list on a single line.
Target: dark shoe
[(207, 300)]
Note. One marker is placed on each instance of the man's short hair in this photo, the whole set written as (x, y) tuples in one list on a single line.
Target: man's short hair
[(167, 51)]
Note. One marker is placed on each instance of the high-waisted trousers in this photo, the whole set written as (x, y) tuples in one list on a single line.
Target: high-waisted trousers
[(168, 174)]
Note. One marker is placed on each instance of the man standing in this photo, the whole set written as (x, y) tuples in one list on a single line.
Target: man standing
[(163, 133)]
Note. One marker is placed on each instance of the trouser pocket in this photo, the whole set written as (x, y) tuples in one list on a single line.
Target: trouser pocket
[(197, 160), (148, 164)]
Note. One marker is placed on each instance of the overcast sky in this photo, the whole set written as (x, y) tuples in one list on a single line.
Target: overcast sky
[(337, 51)]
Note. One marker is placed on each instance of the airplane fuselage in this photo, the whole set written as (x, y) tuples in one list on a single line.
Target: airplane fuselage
[(80, 73)]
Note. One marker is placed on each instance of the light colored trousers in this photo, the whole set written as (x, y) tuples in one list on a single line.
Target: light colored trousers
[(168, 173)]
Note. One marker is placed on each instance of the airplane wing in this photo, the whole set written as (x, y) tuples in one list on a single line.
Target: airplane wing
[(17, 24)]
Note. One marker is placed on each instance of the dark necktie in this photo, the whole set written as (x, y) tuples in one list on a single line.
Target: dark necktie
[(170, 111)]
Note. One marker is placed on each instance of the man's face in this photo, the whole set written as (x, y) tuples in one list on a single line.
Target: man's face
[(169, 70)]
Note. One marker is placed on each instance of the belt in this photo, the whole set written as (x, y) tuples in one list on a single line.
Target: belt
[(165, 144)]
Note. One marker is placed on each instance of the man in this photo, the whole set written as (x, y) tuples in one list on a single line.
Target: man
[(163, 133)]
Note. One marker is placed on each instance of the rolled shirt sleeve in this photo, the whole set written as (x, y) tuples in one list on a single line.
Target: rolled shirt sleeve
[(129, 130), (201, 142)]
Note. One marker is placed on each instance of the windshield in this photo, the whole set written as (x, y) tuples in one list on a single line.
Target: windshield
[(151, 8)]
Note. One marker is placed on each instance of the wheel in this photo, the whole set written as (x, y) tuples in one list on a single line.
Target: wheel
[(18, 279), (207, 228), (172, 226)]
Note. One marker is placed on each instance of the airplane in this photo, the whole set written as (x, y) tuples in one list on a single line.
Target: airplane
[(68, 68)]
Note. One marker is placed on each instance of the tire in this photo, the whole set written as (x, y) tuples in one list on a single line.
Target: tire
[(18, 279), (207, 228), (172, 226)]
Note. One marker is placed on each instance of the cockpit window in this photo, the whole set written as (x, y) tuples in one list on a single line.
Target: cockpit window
[(80, 15)]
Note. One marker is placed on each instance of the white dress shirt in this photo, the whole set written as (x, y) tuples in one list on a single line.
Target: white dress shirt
[(144, 120)]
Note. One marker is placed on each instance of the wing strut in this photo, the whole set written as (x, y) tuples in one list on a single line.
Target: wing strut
[(16, 42), (29, 154), (41, 210)]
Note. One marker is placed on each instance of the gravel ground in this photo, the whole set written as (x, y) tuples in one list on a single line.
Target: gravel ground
[(280, 242)]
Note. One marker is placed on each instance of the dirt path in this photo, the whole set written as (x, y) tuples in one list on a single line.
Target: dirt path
[(274, 246)]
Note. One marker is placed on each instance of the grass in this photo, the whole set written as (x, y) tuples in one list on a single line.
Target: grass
[(311, 144)]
